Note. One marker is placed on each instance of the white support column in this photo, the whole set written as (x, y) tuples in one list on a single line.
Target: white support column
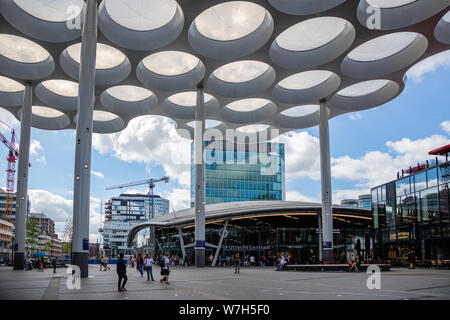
[(219, 246), (199, 146), (82, 179), (325, 172), (183, 248), (319, 223), (22, 179)]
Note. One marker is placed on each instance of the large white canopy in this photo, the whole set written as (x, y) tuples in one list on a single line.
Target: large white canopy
[(264, 64)]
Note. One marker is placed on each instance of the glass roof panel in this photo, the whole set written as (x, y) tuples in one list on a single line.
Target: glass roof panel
[(107, 56), (311, 34), (104, 116), (129, 93), (382, 47), (389, 3), (230, 20), (241, 71), (21, 50), (248, 105), (363, 88), (52, 10), (305, 80), (188, 99), (170, 63), (253, 128), (46, 112), (141, 15), (208, 123), (10, 85), (301, 111), (62, 87)]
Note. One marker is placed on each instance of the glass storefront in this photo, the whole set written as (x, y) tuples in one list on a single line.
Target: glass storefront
[(294, 235), (412, 213)]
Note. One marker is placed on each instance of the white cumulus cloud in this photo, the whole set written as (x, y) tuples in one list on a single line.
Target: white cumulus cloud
[(431, 64), (150, 140), (446, 127), (297, 196), (98, 174)]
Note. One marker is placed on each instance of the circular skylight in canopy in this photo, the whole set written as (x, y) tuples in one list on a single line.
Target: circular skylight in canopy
[(46, 20), (385, 54), (111, 65), (248, 110), (241, 78), (183, 105), (170, 71), (396, 14), (59, 94), (24, 59), (129, 100), (52, 10), (303, 116), (312, 42), (141, 24), (230, 30), (11, 92), (365, 95), (306, 87)]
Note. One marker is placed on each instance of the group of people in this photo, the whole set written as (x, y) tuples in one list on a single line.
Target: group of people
[(104, 264), (39, 263), (143, 263)]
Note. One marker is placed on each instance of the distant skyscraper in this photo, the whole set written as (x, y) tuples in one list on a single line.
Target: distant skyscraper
[(241, 172), (122, 213)]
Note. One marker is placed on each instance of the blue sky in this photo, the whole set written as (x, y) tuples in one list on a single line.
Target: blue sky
[(367, 149)]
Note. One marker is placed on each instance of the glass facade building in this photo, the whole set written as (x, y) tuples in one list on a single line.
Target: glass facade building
[(245, 172), (412, 213)]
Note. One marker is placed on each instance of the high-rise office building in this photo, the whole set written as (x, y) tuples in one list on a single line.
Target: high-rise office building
[(3, 205), (245, 172), (122, 213)]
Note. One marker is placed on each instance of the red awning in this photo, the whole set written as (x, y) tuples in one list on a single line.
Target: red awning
[(440, 151)]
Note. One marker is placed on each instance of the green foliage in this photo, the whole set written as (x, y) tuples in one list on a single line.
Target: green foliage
[(32, 240), (67, 248)]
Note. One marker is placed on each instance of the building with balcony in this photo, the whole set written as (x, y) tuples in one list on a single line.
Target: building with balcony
[(6, 237), (125, 211), (44, 223), (3, 205)]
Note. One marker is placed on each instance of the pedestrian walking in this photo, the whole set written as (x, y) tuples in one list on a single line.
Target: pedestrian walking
[(165, 269), (54, 264), (41, 264), (263, 261), (121, 273), (140, 264), (148, 262), (237, 263), (252, 261)]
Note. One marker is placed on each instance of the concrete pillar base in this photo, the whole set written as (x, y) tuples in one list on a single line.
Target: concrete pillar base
[(199, 257), (19, 261), (80, 259), (327, 254)]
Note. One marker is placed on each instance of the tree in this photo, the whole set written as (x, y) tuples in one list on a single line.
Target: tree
[(68, 230), (48, 247), (68, 234), (33, 232)]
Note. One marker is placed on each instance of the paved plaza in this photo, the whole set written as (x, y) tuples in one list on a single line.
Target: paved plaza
[(223, 284)]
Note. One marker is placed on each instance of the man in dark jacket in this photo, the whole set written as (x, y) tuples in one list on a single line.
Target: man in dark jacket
[(122, 273)]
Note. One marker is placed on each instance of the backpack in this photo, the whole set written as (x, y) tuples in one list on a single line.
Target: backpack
[(162, 262)]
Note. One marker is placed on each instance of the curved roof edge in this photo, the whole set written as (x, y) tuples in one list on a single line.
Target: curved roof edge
[(220, 211)]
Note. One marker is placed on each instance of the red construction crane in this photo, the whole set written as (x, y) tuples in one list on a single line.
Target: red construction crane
[(10, 172)]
